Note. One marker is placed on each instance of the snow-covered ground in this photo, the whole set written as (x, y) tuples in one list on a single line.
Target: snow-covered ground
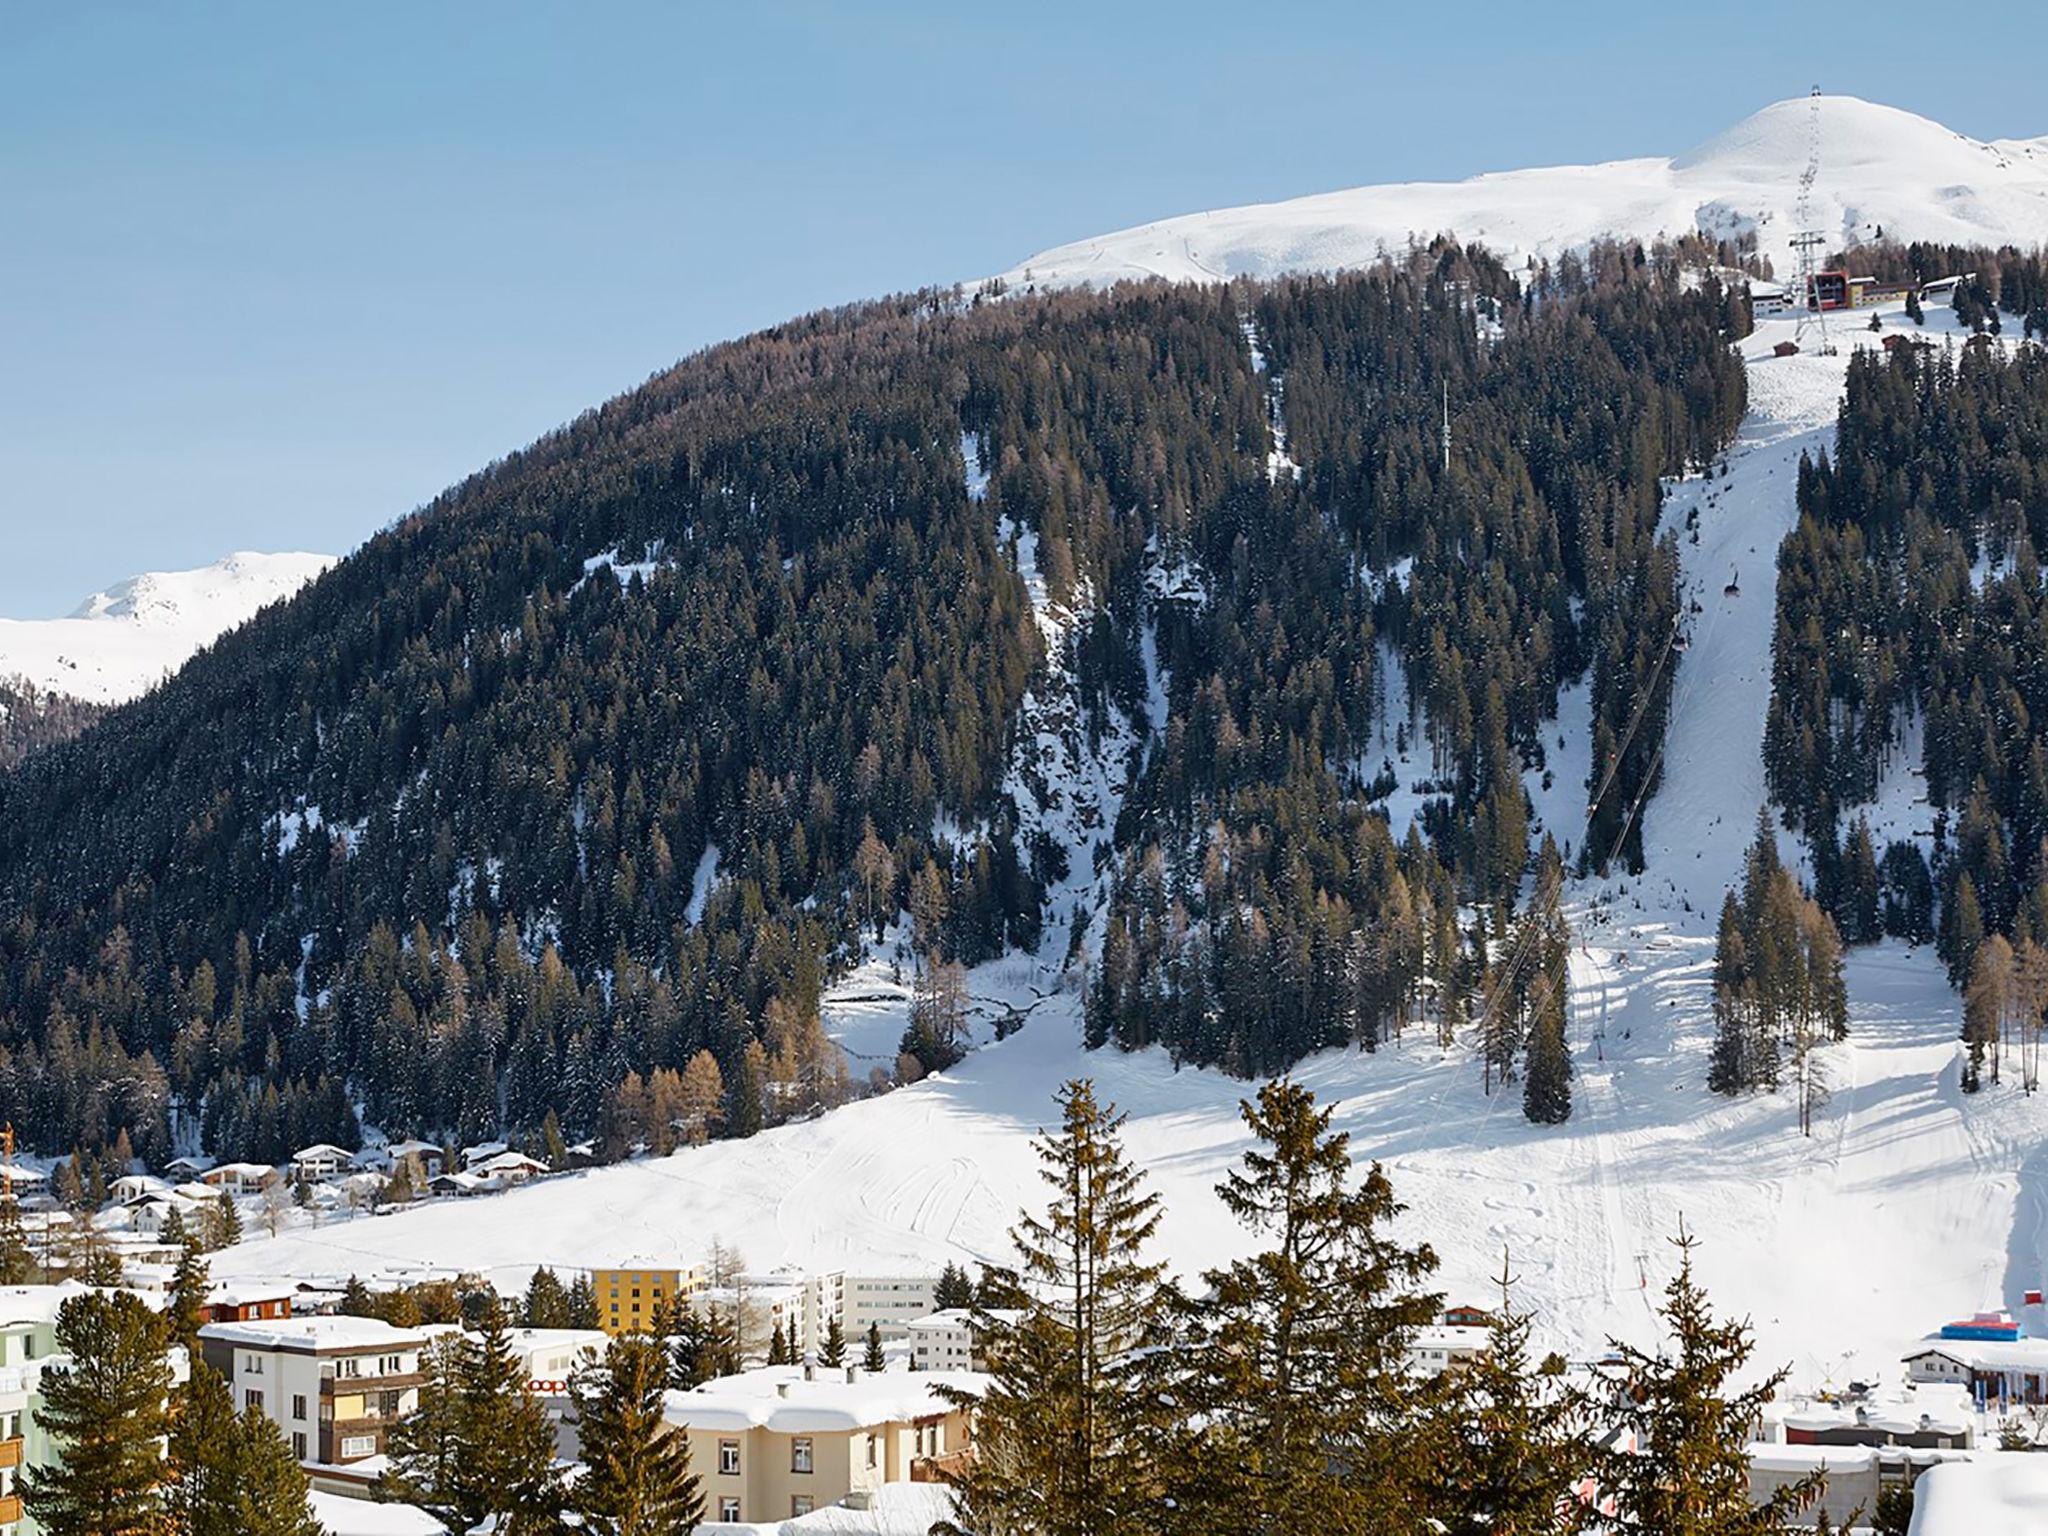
[(1911, 1202), (1881, 168), (118, 644)]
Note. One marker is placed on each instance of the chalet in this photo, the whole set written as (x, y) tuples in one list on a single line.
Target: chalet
[(1434, 1350), (2012, 1370), (430, 1158), (509, 1168), (187, 1167), (242, 1178), (244, 1302), (482, 1152), (1467, 1317), (133, 1186), (322, 1160)]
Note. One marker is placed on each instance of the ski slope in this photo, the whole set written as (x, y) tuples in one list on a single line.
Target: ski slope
[(1883, 169), (1909, 1203), (120, 643)]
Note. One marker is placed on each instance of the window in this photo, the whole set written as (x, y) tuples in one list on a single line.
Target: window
[(355, 1447), (299, 1444), (729, 1511), (800, 1454), (252, 1365), (253, 1399), (800, 1504), (298, 1405), (393, 1365), (348, 1366), (729, 1457), (871, 1449)]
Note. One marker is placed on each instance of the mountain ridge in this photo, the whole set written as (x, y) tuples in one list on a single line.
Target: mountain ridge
[(1881, 168)]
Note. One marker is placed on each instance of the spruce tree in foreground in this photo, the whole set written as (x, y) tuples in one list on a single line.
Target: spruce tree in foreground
[(1509, 1440), (1296, 1379), (636, 1479), (834, 1351), (1069, 1432), (270, 1485), (1689, 1475), (478, 1447), (105, 1410), (17, 1260), (872, 1358), (201, 1499), (185, 1305)]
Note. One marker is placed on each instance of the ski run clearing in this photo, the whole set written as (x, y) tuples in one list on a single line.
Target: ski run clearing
[(1909, 1204)]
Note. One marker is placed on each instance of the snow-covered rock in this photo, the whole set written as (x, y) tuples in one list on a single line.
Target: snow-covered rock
[(118, 644), (1880, 168)]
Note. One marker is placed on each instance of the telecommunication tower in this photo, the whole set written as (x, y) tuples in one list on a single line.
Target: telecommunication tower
[(1806, 243)]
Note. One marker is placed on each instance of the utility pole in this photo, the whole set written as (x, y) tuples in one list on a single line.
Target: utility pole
[(1447, 426)]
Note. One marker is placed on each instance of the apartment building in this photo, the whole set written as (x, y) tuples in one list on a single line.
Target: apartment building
[(949, 1341), (889, 1302), (334, 1385), (629, 1295), (781, 1441), (28, 1343)]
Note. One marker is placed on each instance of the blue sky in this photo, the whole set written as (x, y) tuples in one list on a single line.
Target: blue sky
[(273, 275)]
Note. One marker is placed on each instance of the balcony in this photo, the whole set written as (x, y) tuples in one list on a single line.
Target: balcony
[(10, 1509), (331, 1386), (10, 1452)]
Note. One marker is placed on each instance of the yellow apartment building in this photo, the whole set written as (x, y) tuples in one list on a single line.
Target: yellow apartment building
[(629, 1296)]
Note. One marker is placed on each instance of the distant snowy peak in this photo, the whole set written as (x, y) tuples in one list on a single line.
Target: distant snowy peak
[(1880, 169), (119, 643)]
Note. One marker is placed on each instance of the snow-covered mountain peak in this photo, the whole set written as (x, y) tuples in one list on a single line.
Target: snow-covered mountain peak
[(119, 643), (1881, 170)]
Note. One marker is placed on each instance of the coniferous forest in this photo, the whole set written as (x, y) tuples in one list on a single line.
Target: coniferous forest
[(1910, 635), (565, 796)]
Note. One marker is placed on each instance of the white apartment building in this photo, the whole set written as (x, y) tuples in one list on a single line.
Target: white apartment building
[(949, 1341), (334, 1385), (28, 1343), (891, 1302)]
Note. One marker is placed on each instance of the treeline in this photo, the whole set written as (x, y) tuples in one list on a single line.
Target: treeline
[(1910, 605), (1277, 1394), (1778, 989), (614, 754), (32, 718), (1262, 908)]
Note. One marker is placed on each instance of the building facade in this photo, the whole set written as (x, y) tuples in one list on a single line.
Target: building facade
[(334, 1385), (781, 1441), (629, 1296), (889, 1302)]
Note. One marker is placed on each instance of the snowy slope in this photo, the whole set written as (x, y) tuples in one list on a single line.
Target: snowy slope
[(119, 643), (1880, 167), (1910, 1202)]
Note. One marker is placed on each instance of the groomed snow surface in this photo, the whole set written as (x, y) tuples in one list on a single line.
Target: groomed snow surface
[(1910, 1203), (1881, 168), (120, 643)]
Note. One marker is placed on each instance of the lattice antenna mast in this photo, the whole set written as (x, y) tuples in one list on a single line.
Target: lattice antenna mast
[(1807, 241)]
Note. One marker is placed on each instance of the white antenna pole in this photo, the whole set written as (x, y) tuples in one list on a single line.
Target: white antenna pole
[(1447, 426)]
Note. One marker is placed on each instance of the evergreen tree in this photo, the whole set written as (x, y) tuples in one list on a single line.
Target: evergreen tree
[(1296, 1367), (270, 1485), (17, 1261), (1067, 1433), (834, 1352), (872, 1358), (202, 1498), (479, 1447), (582, 1303), (955, 1288), (172, 1232), (636, 1479), (185, 1305), (1547, 1074), (355, 1299), (105, 1410), (546, 1304), (778, 1347), (1689, 1473), (1511, 1436)]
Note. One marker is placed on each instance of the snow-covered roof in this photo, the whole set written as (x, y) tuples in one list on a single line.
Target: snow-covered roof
[(36, 1303), (509, 1162), (240, 1170), (241, 1293), (321, 1151), (1987, 1354), (399, 1149), (893, 1509), (1448, 1336), (779, 1399), (315, 1335), (954, 1319), (345, 1516), (1938, 1406), (527, 1340), (1994, 1491)]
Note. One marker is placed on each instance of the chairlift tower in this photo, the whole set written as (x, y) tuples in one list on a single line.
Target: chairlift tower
[(1806, 243)]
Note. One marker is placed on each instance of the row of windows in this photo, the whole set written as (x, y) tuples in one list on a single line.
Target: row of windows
[(729, 1507)]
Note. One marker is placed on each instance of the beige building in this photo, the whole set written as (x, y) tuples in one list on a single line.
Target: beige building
[(334, 1385), (781, 1441)]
